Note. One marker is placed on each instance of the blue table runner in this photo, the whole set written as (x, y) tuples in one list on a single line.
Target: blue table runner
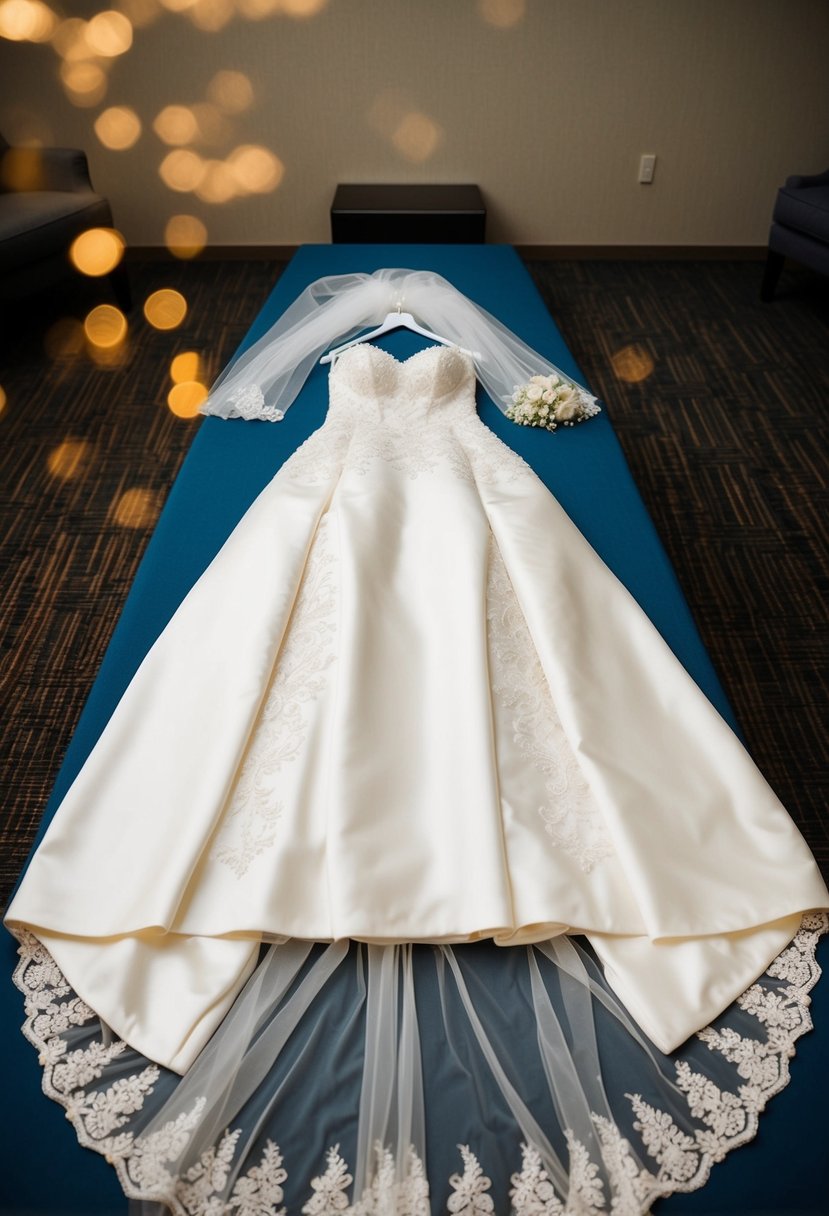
[(43, 1170)]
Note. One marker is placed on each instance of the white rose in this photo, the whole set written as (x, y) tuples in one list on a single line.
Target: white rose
[(566, 394), (552, 380), (538, 380), (548, 396), (534, 392), (567, 411)]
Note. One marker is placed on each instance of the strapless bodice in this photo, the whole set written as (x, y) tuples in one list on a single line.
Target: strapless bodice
[(435, 384)]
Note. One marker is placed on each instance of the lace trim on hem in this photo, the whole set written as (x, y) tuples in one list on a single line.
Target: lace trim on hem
[(684, 1162)]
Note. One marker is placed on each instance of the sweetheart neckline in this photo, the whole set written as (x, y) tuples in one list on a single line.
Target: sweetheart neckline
[(426, 350)]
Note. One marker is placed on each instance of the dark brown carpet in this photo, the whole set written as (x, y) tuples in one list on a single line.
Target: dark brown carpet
[(726, 438)]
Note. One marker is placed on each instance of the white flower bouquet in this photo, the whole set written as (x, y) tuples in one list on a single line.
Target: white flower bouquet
[(549, 401)]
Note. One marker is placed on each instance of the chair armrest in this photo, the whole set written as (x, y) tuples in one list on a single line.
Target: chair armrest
[(64, 169), (806, 179)]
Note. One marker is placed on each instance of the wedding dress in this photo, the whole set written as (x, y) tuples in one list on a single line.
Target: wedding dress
[(412, 849)]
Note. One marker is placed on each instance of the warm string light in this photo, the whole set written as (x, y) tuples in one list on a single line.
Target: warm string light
[(411, 132), (85, 82), (26, 21), (188, 391), (109, 34), (185, 236), (165, 308), (502, 14), (136, 508), (97, 251), (118, 128), (185, 366), (185, 398), (230, 91), (70, 459), (632, 363), (105, 326)]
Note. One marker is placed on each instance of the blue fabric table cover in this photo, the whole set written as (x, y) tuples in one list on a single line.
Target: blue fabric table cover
[(43, 1171)]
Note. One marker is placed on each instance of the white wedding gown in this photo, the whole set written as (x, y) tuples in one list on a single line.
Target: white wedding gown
[(408, 706)]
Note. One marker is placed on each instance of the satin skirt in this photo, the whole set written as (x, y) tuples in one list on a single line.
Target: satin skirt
[(411, 832), (403, 708)]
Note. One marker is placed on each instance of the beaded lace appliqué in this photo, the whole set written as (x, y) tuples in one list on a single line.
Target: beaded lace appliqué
[(417, 417), (571, 818), (249, 403), (249, 826)]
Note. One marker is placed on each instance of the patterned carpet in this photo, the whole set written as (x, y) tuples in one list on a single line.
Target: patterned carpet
[(719, 402)]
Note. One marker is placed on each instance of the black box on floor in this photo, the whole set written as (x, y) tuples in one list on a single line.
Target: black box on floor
[(418, 214)]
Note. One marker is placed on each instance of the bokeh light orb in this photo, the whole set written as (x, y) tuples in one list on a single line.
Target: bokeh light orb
[(69, 40), (211, 15), (231, 91), (165, 309), (176, 125), (256, 170), (185, 398), (85, 82), (26, 21), (218, 185), (3, 399), (97, 251), (136, 508), (502, 14), (105, 326), (185, 236), (182, 170), (118, 128), (416, 137), (109, 34), (632, 363), (185, 366), (70, 459)]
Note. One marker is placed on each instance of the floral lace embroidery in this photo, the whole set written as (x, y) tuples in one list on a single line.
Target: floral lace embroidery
[(532, 1192), (683, 1160), (408, 1196), (330, 1188), (571, 818), (418, 417), (249, 826), (470, 1188), (259, 1191), (322, 455), (585, 1184), (489, 458)]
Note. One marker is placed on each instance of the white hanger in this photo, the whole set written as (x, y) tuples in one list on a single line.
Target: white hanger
[(394, 320)]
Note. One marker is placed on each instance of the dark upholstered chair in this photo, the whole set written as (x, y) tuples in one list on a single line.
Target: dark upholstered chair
[(799, 228), (46, 200)]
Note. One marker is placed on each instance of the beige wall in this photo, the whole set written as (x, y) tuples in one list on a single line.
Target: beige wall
[(549, 115)]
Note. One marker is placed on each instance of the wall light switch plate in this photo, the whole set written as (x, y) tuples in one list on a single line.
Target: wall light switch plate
[(647, 164)]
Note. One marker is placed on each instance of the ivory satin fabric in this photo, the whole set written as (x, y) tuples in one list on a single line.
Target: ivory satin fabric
[(408, 702)]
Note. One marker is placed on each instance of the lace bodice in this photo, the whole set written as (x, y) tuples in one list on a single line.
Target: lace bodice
[(435, 385)]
